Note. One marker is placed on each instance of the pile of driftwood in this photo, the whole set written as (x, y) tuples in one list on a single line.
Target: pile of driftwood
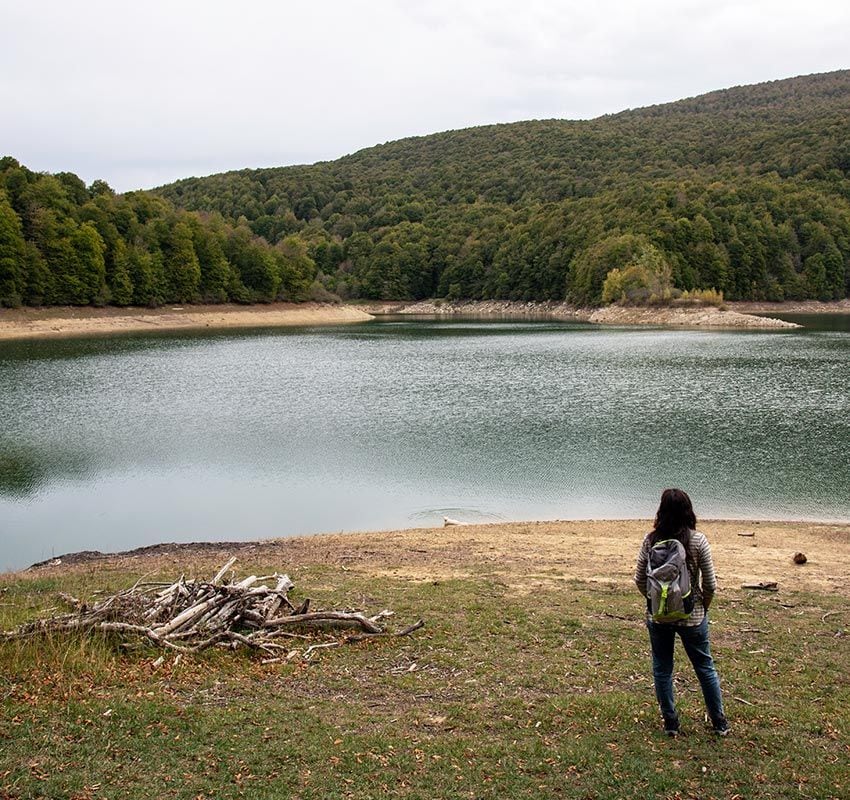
[(192, 615)]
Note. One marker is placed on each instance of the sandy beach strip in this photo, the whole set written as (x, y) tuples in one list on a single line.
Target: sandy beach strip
[(660, 316), (69, 321), (792, 307), (697, 317), (522, 554), (64, 321)]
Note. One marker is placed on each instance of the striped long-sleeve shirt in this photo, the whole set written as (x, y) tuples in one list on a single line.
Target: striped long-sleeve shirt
[(700, 566)]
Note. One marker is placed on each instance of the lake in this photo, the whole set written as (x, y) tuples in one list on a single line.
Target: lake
[(113, 443)]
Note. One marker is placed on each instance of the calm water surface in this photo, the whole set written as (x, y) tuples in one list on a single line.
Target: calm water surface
[(113, 443)]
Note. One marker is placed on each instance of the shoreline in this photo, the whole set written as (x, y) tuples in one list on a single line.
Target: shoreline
[(660, 316), (745, 550), (461, 530), (791, 306), (58, 322), (61, 322), (695, 317)]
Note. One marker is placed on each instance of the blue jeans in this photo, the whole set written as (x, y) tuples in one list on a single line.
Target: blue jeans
[(695, 639)]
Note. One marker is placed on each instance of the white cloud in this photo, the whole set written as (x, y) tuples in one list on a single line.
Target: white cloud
[(145, 93)]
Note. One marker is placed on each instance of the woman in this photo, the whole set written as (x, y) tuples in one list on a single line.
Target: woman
[(676, 520)]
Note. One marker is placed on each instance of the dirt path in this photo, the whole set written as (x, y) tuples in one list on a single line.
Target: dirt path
[(524, 554)]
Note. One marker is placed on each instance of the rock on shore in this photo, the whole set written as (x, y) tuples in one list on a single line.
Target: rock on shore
[(696, 317), (684, 317)]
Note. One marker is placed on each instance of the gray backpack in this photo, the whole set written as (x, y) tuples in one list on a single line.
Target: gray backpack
[(668, 582)]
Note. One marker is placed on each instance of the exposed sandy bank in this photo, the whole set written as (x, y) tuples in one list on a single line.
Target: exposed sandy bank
[(793, 307), (700, 317), (64, 321), (38, 323), (485, 308), (521, 554), (697, 317)]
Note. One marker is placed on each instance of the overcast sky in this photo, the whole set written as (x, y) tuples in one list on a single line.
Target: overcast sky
[(144, 93)]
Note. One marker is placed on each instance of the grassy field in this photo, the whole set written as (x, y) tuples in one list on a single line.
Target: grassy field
[(530, 679)]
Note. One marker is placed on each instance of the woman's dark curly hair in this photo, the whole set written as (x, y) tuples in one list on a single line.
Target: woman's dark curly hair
[(675, 518)]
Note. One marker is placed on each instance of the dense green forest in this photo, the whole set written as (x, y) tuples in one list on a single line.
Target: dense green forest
[(62, 243), (745, 190)]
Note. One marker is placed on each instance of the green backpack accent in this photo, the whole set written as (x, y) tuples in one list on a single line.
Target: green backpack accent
[(668, 582)]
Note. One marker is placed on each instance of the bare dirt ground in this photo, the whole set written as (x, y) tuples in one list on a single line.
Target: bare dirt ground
[(523, 555), (675, 316), (68, 321), (793, 307), (65, 321), (697, 317)]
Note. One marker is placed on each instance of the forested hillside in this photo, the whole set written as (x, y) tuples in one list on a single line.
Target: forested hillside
[(745, 190), (64, 243)]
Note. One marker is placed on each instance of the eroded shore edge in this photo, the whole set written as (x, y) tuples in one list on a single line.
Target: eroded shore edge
[(66, 322), (549, 550), (662, 316)]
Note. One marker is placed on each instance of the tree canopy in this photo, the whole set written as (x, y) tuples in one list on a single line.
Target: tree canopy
[(744, 190), (62, 243)]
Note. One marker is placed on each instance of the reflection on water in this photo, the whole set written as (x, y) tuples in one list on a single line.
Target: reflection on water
[(114, 443), (25, 471), (21, 473), (817, 322)]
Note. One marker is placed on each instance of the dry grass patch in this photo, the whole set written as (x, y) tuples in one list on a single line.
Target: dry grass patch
[(529, 680)]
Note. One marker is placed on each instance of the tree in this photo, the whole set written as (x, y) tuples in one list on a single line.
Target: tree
[(182, 269), (12, 256), (39, 280), (118, 280), (835, 274), (90, 267), (217, 275), (591, 267), (646, 278), (297, 269), (146, 277), (100, 187), (814, 270), (257, 268)]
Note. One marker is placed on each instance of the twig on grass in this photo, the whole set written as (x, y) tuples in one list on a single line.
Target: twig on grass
[(745, 702), (313, 647)]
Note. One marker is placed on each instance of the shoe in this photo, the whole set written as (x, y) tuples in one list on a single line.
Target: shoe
[(721, 726), (671, 727)]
